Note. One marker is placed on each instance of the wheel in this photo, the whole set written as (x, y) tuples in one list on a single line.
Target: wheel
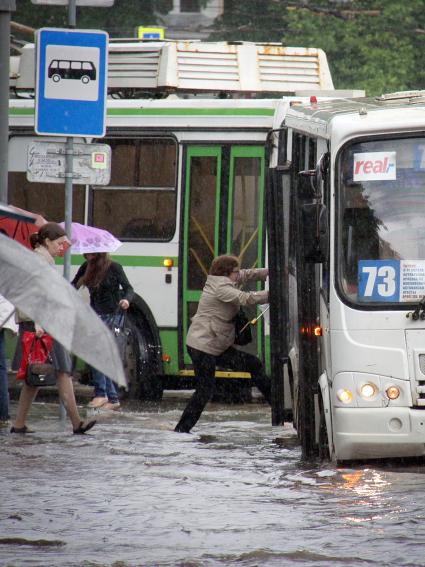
[(143, 382), (56, 78), (85, 79)]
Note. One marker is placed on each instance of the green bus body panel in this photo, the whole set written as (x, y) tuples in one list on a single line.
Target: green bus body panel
[(169, 342)]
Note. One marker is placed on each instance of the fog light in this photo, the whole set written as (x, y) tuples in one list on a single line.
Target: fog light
[(368, 390), (345, 396), (392, 392)]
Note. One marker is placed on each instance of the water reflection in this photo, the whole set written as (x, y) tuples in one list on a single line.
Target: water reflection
[(235, 492)]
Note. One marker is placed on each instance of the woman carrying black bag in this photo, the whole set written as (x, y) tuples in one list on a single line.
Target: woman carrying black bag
[(110, 293), (212, 334)]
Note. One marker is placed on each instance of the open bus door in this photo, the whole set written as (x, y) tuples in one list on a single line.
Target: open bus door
[(222, 213)]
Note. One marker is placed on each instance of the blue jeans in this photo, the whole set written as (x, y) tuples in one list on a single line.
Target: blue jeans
[(4, 383), (103, 386)]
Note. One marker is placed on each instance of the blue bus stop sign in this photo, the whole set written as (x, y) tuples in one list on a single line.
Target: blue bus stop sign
[(71, 81)]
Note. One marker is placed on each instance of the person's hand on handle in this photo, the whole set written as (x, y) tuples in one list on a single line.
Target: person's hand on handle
[(124, 304)]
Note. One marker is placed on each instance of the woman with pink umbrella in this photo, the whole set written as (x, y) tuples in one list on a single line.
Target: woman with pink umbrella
[(110, 291)]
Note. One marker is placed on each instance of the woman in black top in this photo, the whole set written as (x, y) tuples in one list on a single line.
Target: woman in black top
[(109, 290)]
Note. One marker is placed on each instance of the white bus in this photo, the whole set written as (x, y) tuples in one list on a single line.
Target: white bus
[(188, 177), (347, 254)]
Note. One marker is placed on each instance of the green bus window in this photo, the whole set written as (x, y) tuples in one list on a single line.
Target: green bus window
[(46, 199), (140, 201), (245, 233), (203, 182)]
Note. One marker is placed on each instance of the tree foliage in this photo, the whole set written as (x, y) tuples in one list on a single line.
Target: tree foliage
[(376, 45), (119, 21)]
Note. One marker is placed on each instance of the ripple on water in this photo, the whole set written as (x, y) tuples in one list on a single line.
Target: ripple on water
[(235, 492)]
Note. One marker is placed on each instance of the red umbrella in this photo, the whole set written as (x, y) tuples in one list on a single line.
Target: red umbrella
[(20, 230)]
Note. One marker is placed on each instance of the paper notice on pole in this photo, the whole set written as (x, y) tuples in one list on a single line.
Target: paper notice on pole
[(91, 163)]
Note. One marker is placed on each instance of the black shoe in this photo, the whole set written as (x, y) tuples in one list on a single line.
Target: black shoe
[(21, 430), (81, 429), (180, 429)]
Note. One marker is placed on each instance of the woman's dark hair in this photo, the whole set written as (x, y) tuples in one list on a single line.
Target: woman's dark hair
[(50, 230), (97, 266), (223, 265)]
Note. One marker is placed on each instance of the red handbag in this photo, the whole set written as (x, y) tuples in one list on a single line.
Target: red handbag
[(37, 348)]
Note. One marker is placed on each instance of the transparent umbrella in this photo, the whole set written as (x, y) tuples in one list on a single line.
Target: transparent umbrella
[(37, 289)]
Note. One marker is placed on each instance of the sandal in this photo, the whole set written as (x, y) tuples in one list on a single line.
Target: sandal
[(81, 429), (21, 430)]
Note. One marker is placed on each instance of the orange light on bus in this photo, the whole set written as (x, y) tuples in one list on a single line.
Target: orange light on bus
[(166, 358), (392, 392), (168, 262), (317, 331)]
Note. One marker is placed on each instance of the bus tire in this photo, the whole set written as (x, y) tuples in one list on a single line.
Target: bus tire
[(144, 381), (85, 80), (56, 78)]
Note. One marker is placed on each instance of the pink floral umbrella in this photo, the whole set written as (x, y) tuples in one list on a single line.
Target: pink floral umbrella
[(90, 239)]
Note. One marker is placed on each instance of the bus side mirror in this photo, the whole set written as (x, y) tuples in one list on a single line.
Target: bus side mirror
[(315, 233), (310, 180), (306, 189)]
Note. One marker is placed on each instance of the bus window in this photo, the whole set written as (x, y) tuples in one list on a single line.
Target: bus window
[(381, 212), (46, 199), (245, 237), (140, 202), (203, 187)]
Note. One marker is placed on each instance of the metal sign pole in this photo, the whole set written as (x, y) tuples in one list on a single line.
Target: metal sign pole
[(69, 172), (69, 165)]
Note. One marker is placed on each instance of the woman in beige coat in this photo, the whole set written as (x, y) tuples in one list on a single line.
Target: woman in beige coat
[(212, 334)]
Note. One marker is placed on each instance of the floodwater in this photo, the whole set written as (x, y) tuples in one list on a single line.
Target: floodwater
[(234, 493)]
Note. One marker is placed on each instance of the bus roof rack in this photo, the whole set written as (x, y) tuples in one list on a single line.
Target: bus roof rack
[(400, 95), (201, 67)]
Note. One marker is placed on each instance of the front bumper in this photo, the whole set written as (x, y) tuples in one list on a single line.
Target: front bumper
[(375, 433)]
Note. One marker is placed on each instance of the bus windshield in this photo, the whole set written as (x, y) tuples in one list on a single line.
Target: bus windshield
[(381, 221)]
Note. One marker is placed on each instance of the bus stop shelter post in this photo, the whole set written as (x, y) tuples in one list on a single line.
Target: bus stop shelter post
[(6, 7)]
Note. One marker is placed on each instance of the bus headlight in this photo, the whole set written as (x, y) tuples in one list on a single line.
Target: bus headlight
[(368, 390), (392, 392), (345, 396)]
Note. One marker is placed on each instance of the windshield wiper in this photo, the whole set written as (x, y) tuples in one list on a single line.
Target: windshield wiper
[(419, 311)]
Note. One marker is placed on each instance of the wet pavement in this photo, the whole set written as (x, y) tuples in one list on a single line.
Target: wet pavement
[(235, 493)]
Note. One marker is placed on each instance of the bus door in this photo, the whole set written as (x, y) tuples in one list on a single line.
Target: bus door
[(200, 226), (245, 230), (223, 213)]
